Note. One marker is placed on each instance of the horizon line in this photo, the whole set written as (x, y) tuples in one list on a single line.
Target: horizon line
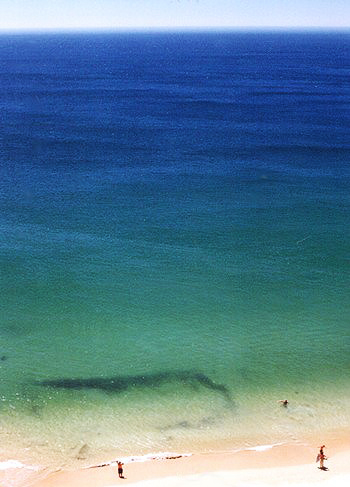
[(169, 29)]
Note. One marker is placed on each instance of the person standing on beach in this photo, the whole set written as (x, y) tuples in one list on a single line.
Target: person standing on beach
[(321, 457), (120, 470)]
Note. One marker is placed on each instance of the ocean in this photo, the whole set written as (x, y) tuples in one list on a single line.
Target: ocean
[(174, 244)]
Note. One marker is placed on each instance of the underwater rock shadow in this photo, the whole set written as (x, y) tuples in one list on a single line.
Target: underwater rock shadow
[(119, 384), (187, 425)]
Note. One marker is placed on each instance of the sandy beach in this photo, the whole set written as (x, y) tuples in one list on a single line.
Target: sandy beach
[(266, 465)]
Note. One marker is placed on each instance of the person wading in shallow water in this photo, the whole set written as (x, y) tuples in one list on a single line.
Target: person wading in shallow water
[(120, 470), (321, 457)]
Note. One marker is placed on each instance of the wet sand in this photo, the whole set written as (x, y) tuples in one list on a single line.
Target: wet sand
[(292, 464)]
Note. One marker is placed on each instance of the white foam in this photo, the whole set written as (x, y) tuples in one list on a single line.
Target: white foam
[(145, 458), (15, 464), (173, 455), (155, 456), (263, 447)]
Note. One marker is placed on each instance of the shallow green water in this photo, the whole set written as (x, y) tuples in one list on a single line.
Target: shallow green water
[(196, 256)]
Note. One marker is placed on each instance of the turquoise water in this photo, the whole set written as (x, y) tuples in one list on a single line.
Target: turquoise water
[(174, 242)]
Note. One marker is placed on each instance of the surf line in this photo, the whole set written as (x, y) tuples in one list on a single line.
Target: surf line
[(143, 458)]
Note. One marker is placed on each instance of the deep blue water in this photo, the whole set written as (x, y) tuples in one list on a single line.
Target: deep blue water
[(174, 201)]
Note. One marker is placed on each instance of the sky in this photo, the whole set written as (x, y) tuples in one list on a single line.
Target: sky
[(122, 14)]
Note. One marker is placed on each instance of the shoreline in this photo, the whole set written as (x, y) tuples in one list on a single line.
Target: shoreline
[(292, 463)]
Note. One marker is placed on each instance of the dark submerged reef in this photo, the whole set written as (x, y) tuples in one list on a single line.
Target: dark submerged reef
[(120, 384)]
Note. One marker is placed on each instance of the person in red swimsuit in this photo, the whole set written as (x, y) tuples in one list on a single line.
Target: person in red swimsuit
[(120, 470), (321, 457)]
